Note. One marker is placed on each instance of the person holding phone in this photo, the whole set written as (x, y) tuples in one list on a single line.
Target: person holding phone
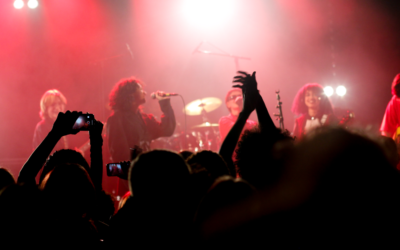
[(51, 103), (128, 127)]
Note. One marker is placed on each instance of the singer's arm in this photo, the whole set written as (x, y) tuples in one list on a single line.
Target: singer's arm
[(166, 126)]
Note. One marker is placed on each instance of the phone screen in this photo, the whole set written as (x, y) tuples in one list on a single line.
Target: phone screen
[(84, 122), (114, 169)]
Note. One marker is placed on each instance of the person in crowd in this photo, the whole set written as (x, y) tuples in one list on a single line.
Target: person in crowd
[(313, 109), (6, 178), (338, 188), (61, 127), (206, 166), (234, 103), (128, 126), (391, 119), (51, 103), (158, 213), (252, 100)]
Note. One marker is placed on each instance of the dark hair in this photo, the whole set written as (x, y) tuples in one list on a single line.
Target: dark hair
[(69, 190), (63, 156), (260, 156), (299, 107), (209, 161), (158, 171), (6, 178), (122, 95)]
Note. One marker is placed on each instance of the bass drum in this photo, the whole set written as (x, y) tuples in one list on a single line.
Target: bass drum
[(179, 143), (161, 143)]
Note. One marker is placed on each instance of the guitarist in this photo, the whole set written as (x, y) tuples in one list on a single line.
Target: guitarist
[(51, 103), (391, 119)]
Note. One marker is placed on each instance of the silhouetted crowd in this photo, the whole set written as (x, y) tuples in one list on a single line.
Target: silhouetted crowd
[(332, 188)]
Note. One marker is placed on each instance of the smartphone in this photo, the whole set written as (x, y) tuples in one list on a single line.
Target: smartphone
[(120, 169), (84, 122)]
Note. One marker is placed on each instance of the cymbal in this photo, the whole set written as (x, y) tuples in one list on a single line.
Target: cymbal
[(206, 125), (208, 104)]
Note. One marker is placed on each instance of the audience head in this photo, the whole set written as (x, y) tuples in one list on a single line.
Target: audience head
[(69, 191), (390, 149), (210, 162), (126, 94), (234, 101), (52, 102), (6, 178), (61, 157), (158, 173), (301, 104), (225, 191), (259, 156), (186, 154)]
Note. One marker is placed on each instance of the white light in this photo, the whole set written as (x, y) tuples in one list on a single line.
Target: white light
[(18, 4), (208, 13), (33, 4), (328, 90), (341, 90)]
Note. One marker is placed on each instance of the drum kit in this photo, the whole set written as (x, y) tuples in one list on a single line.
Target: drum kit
[(204, 136)]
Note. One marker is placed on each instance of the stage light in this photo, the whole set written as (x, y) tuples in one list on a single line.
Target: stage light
[(208, 13), (18, 4), (33, 4), (341, 90), (328, 90)]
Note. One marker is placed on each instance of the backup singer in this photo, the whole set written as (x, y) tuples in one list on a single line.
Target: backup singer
[(128, 126), (313, 108)]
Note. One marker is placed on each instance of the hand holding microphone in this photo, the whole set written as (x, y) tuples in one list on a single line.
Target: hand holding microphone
[(160, 95)]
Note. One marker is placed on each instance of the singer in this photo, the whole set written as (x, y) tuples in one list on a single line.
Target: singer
[(128, 126)]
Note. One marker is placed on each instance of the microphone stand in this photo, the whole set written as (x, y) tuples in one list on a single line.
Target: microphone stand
[(225, 54)]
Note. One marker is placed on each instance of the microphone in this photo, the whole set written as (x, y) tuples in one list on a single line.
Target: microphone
[(153, 95)]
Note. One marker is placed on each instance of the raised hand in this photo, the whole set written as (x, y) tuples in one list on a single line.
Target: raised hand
[(97, 128), (64, 122), (249, 89)]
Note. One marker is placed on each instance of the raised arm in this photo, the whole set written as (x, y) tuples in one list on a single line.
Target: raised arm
[(62, 126), (264, 119), (96, 155), (250, 102), (166, 126)]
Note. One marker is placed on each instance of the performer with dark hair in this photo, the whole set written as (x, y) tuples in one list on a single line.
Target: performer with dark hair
[(234, 103), (128, 127), (51, 103), (313, 108), (391, 119)]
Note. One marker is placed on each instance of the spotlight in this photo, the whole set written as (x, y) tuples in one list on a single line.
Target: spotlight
[(328, 90), (18, 4), (341, 90), (33, 4), (208, 13)]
